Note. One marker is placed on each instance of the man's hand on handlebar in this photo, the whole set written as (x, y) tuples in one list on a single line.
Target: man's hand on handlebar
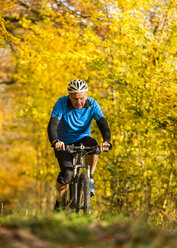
[(105, 146), (59, 145)]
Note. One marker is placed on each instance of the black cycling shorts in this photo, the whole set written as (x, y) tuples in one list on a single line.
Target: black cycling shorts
[(65, 160)]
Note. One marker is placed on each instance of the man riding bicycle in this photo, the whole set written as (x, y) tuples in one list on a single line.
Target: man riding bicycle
[(70, 123)]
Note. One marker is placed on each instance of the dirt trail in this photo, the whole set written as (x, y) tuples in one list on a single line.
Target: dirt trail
[(21, 238), (57, 234)]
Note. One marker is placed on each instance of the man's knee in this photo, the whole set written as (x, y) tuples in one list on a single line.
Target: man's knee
[(65, 177)]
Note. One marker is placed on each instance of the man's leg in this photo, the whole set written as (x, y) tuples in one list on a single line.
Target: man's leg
[(62, 189), (92, 161), (65, 161)]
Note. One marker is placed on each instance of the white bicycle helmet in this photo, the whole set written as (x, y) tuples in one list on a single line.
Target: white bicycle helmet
[(77, 86)]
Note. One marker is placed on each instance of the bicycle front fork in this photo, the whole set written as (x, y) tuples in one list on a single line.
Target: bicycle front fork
[(76, 174)]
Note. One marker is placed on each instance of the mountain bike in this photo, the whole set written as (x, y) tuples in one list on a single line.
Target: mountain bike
[(77, 197)]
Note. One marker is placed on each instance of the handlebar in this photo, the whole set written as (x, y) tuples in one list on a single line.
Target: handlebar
[(82, 149)]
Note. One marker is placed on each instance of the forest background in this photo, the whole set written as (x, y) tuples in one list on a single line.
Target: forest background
[(126, 51)]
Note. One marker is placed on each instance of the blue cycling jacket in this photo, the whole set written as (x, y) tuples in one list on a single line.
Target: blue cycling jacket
[(74, 123)]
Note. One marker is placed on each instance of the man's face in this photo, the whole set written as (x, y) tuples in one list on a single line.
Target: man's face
[(78, 99)]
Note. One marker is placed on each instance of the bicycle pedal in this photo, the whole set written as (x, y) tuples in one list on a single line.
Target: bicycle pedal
[(92, 194)]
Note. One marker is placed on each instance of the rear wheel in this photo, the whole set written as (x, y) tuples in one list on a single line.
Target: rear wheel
[(83, 194)]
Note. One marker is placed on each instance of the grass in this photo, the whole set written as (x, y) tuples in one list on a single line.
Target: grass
[(73, 230)]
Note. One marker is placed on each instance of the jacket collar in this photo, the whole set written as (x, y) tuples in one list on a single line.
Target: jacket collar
[(87, 103)]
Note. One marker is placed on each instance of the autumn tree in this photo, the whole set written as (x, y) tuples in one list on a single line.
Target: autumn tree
[(126, 51)]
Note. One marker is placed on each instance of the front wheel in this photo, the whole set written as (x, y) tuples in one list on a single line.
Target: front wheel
[(83, 194)]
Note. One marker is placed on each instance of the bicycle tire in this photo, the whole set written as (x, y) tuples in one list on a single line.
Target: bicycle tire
[(83, 194)]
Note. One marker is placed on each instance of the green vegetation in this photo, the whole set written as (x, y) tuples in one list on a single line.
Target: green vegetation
[(72, 230)]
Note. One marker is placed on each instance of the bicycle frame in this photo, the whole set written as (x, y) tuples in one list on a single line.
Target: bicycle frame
[(78, 153)]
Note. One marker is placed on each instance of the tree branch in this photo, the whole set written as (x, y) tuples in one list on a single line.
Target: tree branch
[(7, 82), (74, 12), (23, 4)]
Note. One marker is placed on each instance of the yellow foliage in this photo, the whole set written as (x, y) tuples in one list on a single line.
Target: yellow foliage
[(126, 51)]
